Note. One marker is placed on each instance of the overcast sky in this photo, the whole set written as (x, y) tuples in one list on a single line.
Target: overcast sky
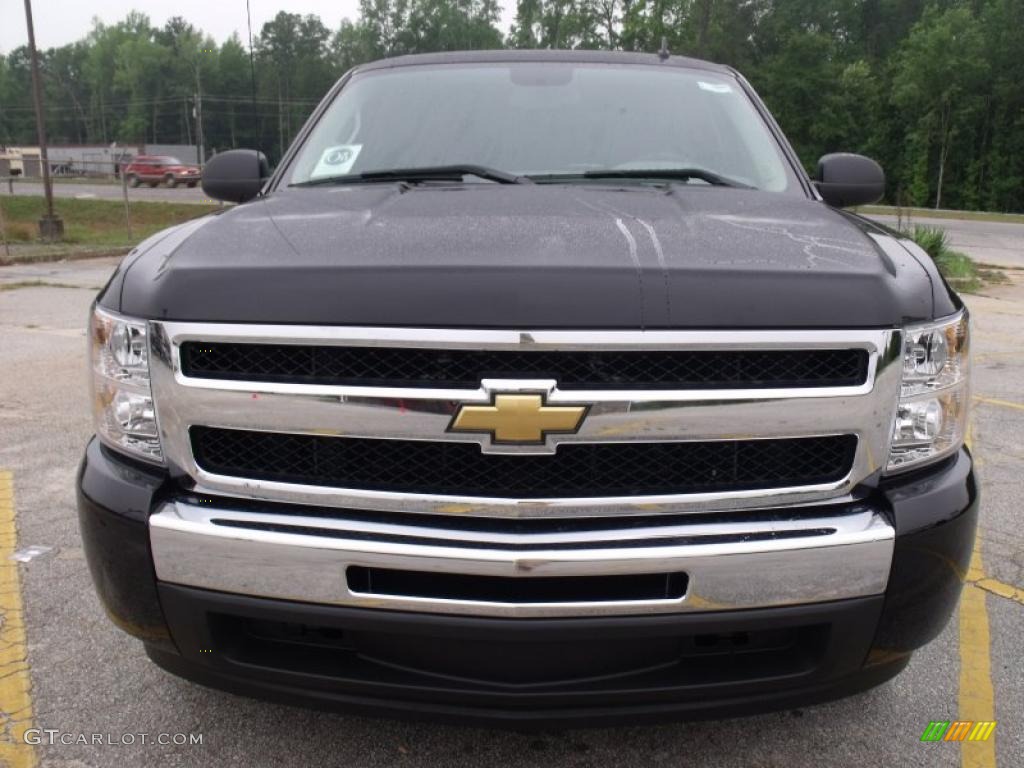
[(63, 21)]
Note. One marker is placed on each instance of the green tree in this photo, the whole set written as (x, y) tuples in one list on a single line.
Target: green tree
[(444, 25), (556, 24), (293, 52), (998, 181), (934, 89), (17, 118), (383, 22), (938, 70), (232, 117), (353, 44), (65, 86), (139, 66)]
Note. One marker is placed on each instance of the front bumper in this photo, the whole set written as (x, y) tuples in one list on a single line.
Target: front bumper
[(525, 568), (831, 632)]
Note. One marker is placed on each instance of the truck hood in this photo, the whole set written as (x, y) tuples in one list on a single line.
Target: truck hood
[(529, 256)]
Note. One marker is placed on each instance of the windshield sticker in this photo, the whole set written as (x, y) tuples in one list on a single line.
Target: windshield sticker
[(714, 87), (337, 160)]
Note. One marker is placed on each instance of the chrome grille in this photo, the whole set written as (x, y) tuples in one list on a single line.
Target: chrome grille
[(601, 369), (720, 435), (579, 470)]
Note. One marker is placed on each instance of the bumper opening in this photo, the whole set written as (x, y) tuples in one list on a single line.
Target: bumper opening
[(543, 670), (503, 589), (674, 659)]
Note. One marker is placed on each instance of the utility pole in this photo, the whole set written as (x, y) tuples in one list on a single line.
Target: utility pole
[(51, 226), (199, 118), (3, 235)]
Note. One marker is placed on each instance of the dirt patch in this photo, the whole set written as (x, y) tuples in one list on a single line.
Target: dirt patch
[(43, 284), (40, 254)]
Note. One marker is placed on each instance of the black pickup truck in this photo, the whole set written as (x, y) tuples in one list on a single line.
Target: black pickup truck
[(532, 388)]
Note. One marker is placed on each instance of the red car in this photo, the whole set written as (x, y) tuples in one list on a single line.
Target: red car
[(154, 169)]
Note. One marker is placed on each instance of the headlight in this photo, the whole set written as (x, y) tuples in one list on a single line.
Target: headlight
[(122, 401), (932, 412)]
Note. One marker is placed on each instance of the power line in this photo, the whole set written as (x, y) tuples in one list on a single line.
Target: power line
[(252, 75), (173, 100)]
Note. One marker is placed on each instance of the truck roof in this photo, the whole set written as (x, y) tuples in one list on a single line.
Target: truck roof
[(501, 56)]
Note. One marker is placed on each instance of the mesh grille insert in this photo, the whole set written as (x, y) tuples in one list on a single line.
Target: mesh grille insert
[(576, 470), (399, 367)]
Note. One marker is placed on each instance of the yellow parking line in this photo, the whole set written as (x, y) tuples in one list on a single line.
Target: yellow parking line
[(1001, 589), (15, 686), (977, 699), (1000, 403)]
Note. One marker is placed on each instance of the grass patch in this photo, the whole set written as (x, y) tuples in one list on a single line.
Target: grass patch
[(958, 268), (19, 232), (95, 222)]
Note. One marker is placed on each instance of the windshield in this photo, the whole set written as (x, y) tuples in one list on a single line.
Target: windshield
[(550, 119)]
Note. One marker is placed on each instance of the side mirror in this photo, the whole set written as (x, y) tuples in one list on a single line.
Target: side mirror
[(844, 180), (235, 176)]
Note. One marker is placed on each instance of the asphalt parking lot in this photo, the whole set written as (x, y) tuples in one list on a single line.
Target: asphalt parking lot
[(105, 190), (988, 242), (87, 677)]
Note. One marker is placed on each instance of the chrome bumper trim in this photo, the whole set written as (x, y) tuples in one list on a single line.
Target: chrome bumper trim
[(865, 410), (757, 560)]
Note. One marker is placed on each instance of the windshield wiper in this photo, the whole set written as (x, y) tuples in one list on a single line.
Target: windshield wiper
[(425, 173), (669, 174)]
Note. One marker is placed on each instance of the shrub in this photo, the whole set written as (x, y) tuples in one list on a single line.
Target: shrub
[(956, 267), (934, 240)]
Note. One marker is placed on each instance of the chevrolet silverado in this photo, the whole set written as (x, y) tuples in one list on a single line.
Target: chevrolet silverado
[(532, 387)]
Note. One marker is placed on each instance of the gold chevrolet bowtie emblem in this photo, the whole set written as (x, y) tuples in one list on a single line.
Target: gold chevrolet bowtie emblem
[(518, 418)]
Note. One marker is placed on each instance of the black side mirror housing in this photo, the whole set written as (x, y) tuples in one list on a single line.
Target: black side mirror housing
[(235, 176), (845, 179)]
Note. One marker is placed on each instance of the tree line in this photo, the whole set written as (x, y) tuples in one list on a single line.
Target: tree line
[(933, 89)]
